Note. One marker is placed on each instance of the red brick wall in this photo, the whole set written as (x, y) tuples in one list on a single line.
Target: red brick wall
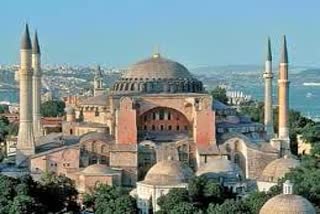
[(126, 122), (204, 124)]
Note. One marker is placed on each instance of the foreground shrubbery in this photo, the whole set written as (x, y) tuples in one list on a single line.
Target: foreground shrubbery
[(52, 194)]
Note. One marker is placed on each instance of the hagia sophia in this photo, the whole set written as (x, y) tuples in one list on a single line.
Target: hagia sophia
[(155, 129)]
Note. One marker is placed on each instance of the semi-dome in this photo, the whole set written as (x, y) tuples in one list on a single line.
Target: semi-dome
[(157, 75), (278, 168), (98, 169), (168, 172), (221, 168), (288, 203)]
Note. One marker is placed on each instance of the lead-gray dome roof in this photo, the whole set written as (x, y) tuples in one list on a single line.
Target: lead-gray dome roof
[(158, 67), (157, 75), (221, 168)]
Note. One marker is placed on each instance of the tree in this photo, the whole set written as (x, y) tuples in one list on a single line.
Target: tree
[(175, 196), (52, 108), (311, 133), (57, 193), (185, 208), (4, 123), (306, 177), (125, 204), (107, 199), (23, 204), (229, 206), (220, 94), (254, 110), (4, 109)]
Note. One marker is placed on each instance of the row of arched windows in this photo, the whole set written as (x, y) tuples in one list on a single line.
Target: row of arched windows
[(193, 86)]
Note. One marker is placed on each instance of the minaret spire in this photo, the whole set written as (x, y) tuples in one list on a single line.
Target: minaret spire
[(268, 76), (25, 144), (283, 84), (36, 87), (35, 45), (26, 41), (284, 53), (269, 52)]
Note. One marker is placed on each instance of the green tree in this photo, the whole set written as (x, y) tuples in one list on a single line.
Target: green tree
[(185, 208), (57, 192), (254, 110), (4, 123), (23, 204), (125, 204), (307, 176), (4, 109), (311, 133), (229, 206), (105, 199), (52, 108), (175, 196), (220, 94)]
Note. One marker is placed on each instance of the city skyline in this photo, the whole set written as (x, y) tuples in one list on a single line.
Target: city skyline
[(120, 33)]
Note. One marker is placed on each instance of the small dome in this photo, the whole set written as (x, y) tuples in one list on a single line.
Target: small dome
[(168, 172), (221, 168), (98, 169), (287, 204), (278, 168)]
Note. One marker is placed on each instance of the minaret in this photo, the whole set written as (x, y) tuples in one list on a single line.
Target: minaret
[(36, 87), (268, 76), (98, 82), (25, 144), (283, 93)]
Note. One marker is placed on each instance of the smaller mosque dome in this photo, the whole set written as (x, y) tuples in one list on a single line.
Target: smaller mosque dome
[(221, 168), (278, 168), (168, 172), (98, 169), (288, 203)]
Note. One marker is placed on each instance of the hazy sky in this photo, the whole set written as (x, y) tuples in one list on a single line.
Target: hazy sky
[(194, 32)]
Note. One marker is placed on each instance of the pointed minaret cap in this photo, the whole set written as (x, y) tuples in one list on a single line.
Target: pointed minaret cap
[(284, 54), (26, 41), (269, 53), (35, 45)]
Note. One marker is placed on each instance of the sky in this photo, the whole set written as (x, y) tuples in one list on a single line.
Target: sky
[(195, 33)]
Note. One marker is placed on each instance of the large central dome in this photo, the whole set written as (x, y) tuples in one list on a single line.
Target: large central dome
[(159, 68), (157, 75)]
